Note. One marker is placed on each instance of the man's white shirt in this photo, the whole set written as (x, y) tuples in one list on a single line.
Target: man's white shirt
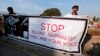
[(72, 16)]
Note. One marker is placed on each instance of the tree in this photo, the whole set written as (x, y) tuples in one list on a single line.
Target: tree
[(52, 12), (94, 18)]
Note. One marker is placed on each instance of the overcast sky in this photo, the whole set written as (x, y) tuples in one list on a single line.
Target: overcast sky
[(87, 7)]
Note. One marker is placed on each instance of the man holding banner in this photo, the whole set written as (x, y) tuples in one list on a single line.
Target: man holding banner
[(74, 13)]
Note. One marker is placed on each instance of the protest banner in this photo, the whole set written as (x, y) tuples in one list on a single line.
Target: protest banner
[(16, 25), (62, 34)]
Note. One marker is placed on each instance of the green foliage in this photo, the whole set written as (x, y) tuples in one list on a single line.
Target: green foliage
[(51, 12), (96, 19), (95, 51)]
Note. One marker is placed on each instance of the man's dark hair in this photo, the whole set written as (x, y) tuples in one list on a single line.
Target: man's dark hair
[(75, 6), (10, 10)]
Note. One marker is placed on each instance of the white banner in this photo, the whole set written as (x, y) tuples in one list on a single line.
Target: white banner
[(58, 34)]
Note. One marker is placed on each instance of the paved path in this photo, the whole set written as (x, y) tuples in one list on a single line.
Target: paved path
[(10, 51)]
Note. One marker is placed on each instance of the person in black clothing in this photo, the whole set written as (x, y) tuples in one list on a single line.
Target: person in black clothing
[(10, 10), (10, 21)]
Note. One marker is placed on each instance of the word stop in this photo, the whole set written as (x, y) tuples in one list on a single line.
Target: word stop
[(51, 27)]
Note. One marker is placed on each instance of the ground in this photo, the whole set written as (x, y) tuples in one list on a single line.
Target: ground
[(10, 51)]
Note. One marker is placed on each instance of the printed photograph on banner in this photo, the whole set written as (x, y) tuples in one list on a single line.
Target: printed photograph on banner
[(16, 26)]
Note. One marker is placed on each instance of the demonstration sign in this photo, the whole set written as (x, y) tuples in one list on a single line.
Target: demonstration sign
[(59, 34), (62, 34), (16, 25)]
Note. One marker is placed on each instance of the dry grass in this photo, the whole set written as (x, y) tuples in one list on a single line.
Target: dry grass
[(93, 31)]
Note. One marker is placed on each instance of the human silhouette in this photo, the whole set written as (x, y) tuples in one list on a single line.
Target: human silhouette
[(10, 10)]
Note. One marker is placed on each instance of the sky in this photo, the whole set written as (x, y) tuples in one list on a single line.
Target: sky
[(36, 7)]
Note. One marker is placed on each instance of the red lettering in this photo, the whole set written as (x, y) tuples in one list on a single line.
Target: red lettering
[(61, 27), (70, 44), (55, 41), (43, 38), (42, 26), (48, 27), (52, 27)]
